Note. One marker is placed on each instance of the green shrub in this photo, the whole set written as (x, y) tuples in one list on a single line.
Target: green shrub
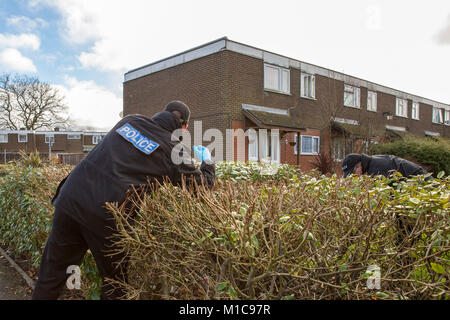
[(26, 190), (262, 232), (255, 171), (432, 153), (303, 237)]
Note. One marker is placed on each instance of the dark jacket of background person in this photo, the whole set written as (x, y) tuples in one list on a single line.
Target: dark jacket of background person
[(115, 166), (386, 164)]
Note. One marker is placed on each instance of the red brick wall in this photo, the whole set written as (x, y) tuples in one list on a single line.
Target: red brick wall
[(216, 86)]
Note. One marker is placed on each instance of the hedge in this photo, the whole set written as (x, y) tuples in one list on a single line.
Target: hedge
[(305, 237), (432, 153), (263, 232), (26, 188)]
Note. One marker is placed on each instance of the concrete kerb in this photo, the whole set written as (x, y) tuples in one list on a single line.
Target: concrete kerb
[(26, 277)]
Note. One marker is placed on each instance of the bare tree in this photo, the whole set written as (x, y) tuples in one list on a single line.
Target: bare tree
[(26, 102)]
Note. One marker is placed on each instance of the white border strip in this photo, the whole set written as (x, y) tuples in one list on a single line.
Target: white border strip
[(395, 128), (265, 109)]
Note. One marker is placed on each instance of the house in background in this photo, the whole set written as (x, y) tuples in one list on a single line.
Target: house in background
[(56, 142), (230, 85)]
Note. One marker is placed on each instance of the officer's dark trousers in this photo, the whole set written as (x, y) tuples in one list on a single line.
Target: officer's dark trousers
[(66, 246)]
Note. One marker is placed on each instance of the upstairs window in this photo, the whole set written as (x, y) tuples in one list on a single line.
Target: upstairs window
[(437, 115), (371, 101), (96, 139), (74, 136), (415, 111), (401, 108), (23, 137), (49, 138), (3, 138), (447, 118), (276, 78), (352, 96), (308, 85)]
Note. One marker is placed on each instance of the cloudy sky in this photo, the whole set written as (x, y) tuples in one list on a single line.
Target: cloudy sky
[(85, 47)]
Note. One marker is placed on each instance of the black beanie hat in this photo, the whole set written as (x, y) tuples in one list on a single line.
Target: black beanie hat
[(182, 108), (349, 163)]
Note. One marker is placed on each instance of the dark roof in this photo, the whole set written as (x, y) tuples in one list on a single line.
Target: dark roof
[(357, 130), (269, 120)]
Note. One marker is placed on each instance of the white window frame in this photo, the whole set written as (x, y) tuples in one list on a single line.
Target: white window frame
[(309, 80), (275, 146), (415, 110), (284, 86), (312, 146), (401, 107), (438, 112), (252, 145), (47, 138), (4, 138), (356, 92), (22, 134), (371, 101), (296, 143), (341, 148), (74, 136), (97, 138), (447, 117)]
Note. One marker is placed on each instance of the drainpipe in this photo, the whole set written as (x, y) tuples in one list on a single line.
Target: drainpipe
[(298, 149)]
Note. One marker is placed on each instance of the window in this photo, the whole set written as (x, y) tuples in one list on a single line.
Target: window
[(308, 85), (3, 138), (275, 145), (96, 139), (309, 145), (371, 101), (252, 145), (23, 137), (401, 108), (446, 118), (352, 96), (276, 78), (263, 145), (415, 111), (437, 115), (49, 138), (341, 148), (74, 136)]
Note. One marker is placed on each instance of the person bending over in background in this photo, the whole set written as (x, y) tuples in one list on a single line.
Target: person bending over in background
[(385, 165)]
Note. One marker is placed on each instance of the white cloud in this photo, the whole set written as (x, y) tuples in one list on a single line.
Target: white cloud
[(91, 104), (25, 24), (79, 17), (12, 60), (443, 37), (24, 40), (372, 42)]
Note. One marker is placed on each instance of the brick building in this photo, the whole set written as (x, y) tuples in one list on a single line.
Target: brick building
[(232, 85), (57, 142)]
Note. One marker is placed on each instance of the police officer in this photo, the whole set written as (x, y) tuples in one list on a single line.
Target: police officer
[(380, 165), (137, 150)]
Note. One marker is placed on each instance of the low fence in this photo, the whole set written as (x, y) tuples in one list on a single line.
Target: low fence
[(66, 158), (71, 158)]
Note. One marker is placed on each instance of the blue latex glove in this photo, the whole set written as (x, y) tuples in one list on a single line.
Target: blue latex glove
[(202, 153)]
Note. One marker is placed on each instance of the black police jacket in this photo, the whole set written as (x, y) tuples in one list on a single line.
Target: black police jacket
[(387, 164), (137, 150)]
